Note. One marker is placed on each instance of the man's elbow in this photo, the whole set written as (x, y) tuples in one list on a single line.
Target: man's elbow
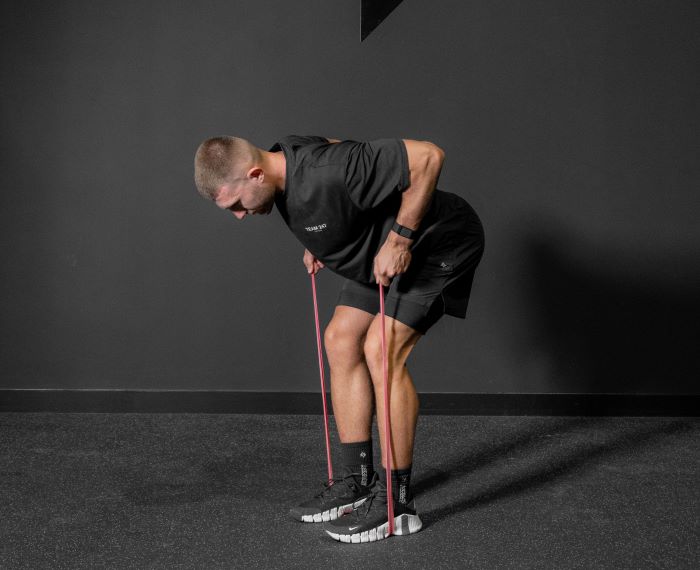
[(436, 156), (424, 159)]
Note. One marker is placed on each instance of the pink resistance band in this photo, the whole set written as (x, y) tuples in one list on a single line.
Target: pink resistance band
[(323, 381), (387, 415), (387, 422)]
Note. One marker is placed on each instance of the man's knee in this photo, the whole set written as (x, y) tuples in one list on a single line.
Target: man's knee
[(398, 349), (343, 344), (373, 354)]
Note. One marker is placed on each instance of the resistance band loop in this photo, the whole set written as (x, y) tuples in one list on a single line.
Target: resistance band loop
[(387, 421), (323, 380)]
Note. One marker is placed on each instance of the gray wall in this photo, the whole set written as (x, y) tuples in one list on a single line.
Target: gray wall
[(572, 128)]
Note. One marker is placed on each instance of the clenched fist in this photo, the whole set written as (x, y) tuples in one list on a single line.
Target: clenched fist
[(312, 264), (393, 259)]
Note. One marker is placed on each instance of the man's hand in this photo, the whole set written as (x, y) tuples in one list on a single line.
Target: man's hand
[(393, 258), (312, 264)]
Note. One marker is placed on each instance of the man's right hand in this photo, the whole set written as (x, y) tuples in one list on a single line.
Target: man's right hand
[(312, 264)]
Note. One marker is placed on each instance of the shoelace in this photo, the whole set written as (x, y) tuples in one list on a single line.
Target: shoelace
[(332, 489), (377, 494)]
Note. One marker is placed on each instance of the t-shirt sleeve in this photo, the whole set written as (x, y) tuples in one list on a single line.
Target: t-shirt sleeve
[(375, 170)]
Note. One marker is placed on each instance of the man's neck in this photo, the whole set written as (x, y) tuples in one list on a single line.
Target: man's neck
[(276, 169)]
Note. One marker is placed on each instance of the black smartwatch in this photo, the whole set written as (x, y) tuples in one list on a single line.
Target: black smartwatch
[(403, 231)]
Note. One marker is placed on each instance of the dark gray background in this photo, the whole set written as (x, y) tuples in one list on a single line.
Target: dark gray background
[(572, 128)]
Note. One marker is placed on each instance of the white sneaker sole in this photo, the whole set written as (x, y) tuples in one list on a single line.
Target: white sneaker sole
[(334, 513), (403, 525)]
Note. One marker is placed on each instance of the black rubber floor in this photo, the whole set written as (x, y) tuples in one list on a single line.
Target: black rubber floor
[(212, 491)]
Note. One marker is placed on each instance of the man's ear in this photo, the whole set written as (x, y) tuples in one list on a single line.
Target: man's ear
[(256, 173)]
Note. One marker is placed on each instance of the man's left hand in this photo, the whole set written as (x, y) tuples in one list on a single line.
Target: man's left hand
[(393, 259)]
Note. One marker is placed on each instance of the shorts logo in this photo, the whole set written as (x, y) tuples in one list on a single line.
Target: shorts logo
[(445, 266), (318, 228)]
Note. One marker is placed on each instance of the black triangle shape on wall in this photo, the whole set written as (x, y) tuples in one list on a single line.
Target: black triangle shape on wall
[(374, 12)]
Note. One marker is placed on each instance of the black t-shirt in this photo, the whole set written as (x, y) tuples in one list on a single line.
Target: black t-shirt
[(341, 200)]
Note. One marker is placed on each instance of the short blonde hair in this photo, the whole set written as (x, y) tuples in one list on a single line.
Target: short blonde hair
[(219, 159)]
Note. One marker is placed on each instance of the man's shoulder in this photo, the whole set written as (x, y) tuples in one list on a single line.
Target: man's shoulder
[(294, 141)]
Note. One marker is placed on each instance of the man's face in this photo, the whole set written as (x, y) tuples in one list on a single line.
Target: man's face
[(243, 196)]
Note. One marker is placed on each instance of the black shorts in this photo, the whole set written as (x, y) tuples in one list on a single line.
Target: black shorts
[(438, 282)]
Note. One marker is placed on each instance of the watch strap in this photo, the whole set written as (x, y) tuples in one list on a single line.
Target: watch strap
[(403, 231)]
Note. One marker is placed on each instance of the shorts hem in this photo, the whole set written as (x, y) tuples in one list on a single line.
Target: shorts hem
[(415, 315)]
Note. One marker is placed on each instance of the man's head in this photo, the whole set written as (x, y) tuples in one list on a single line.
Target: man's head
[(236, 175)]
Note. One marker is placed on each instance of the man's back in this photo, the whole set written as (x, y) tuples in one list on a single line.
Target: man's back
[(341, 200)]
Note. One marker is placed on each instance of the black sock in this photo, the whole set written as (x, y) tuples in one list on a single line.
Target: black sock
[(400, 484), (358, 458)]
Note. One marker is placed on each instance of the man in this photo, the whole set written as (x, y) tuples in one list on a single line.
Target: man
[(371, 212)]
